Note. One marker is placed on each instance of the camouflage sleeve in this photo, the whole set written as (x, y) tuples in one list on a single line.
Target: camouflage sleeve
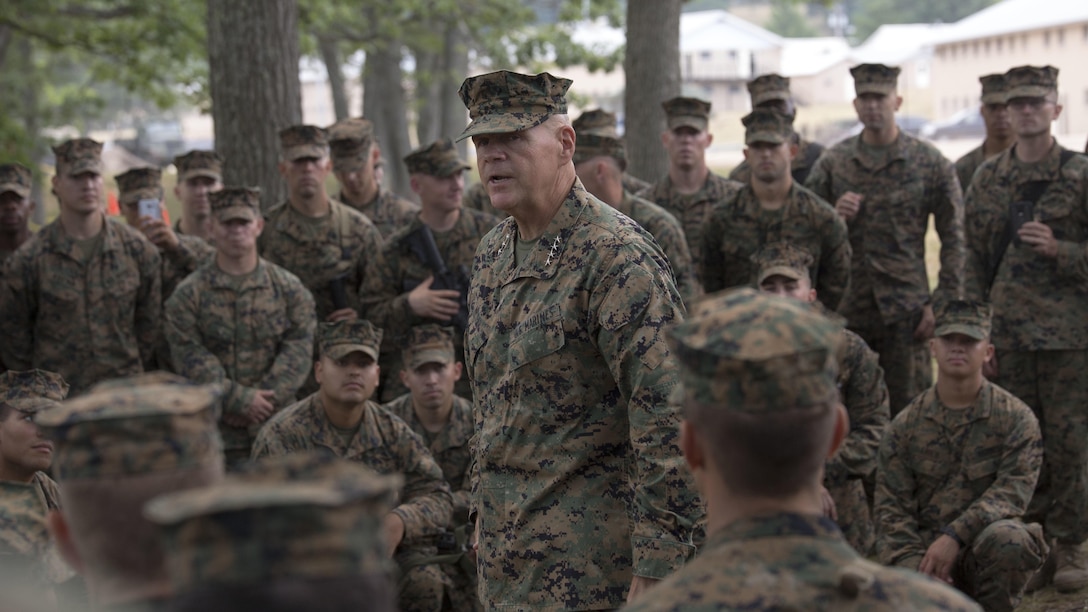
[(866, 399), (1017, 472), (976, 279), (18, 305), (819, 178), (274, 440), (833, 275), (947, 208), (182, 261), (367, 264), (148, 316), (294, 359), (712, 268), (380, 298), (633, 313), (897, 533), (671, 238), (740, 173), (191, 358), (1073, 256), (427, 504)]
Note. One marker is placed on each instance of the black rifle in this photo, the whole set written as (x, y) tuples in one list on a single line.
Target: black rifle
[(421, 241)]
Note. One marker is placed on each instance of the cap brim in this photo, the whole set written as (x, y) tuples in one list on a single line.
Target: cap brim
[(82, 167), (200, 172), (501, 124), (995, 98), (1028, 91), (340, 351), (236, 212), (786, 271), (304, 151), (433, 356), (32, 405), (884, 90), (770, 137), (697, 123), (971, 331), (21, 190), (772, 96), (453, 168), (131, 197)]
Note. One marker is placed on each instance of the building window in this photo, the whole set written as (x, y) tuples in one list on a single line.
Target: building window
[(986, 47), (1012, 43), (974, 48), (1061, 37), (1046, 38), (704, 55), (1000, 42)]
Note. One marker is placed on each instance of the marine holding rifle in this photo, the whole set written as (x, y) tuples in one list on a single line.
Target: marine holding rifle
[(422, 273)]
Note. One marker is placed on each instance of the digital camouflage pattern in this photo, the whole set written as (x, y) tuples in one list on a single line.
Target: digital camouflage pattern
[(738, 227), (969, 163), (768, 88), (342, 338), (875, 78), (235, 203), (305, 515), (131, 427), (782, 259), (302, 141), (476, 198), (384, 295), (1031, 81), (1039, 329), (792, 562), (693, 211), (800, 166), (15, 177), (138, 184), (597, 121), (588, 146), (449, 447), (247, 334), (429, 344), (85, 320), (965, 317), (669, 235), (387, 445), (439, 159), (74, 157), (505, 101), (25, 542), (571, 376), (341, 244), (995, 90), (686, 112), (387, 211), (968, 472), (765, 125), (199, 163), (32, 390)]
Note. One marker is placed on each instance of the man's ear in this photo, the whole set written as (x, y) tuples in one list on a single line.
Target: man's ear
[(842, 427), (694, 455), (58, 527)]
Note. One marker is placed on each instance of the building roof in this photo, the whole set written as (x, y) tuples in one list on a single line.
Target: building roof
[(809, 56), (721, 30), (894, 44), (1012, 16)]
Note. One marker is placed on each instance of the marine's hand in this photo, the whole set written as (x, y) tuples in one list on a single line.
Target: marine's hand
[(939, 558), (848, 205), (261, 407), (925, 328), (639, 585), (393, 528), (441, 304), (828, 504), (344, 314), (1040, 237), (159, 233)]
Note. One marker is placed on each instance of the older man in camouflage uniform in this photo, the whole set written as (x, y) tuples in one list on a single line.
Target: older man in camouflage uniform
[(570, 372), (355, 155), (181, 254), (772, 208), (600, 161), (341, 418), (999, 133), (15, 207), (762, 415), (325, 243), (121, 444), (83, 299), (690, 190), (199, 175), (849, 475), (444, 421), (772, 92), (243, 322), (886, 184), (312, 538), (957, 469), (1027, 237), (399, 292)]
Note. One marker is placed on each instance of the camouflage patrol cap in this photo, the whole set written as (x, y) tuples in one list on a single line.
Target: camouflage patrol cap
[(350, 141), (23, 528), (77, 156), (436, 159), (139, 184), (16, 178), (747, 351), (502, 102), (875, 78), (967, 317), (995, 89), (32, 390), (767, 88), (306, 515), (339, 339), (687, 112), (303, 141), (597, 121), (782, 259), (1031, 81), (589, 145), (429, 343), (236, 203), (199, 163), (129, 428), (766, 125)]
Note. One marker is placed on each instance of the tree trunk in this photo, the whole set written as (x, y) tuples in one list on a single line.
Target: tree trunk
[(652, 68), (253, 60), (330, 54), (384, 103), (453, 118), (428, 77)]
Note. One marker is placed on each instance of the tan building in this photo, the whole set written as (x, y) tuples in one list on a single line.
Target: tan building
[(1014, 33), (720, 53)]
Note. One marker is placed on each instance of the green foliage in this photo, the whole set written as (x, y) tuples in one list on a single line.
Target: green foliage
[(787, 20)]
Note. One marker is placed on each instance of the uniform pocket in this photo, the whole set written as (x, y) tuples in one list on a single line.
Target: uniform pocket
[(536, 344)]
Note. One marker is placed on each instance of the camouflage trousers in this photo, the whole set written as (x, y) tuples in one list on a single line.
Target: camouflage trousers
[(854, 514), (433, 587), (908, 369), (1054, 384), (997, 566)]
